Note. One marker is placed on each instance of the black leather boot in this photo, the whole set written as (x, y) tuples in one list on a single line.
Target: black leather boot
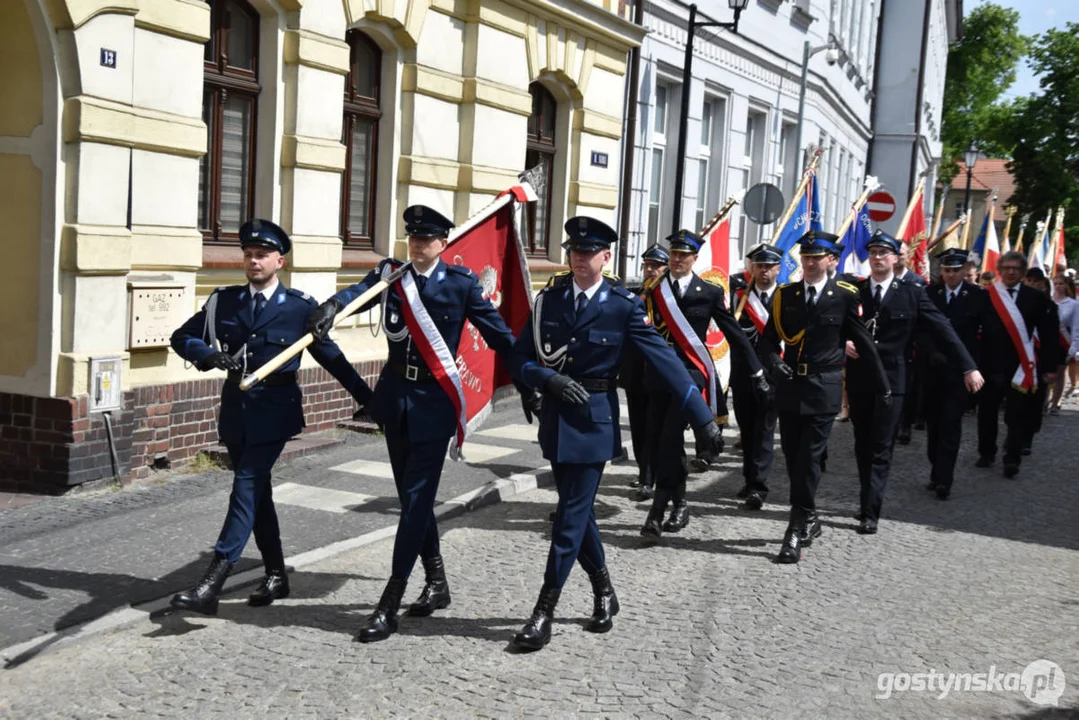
[(653, 524), (537, 631), (436, 591), (383, 621), (203, 597), (605, 602), (679, 517), (273, 587)]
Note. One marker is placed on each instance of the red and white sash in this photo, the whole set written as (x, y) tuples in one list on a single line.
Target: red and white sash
[(1026, 375), (758, 313), (440, 361), (683, 334)]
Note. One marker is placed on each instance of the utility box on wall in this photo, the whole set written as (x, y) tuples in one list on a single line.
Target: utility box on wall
[(156, 311), (105, 383)]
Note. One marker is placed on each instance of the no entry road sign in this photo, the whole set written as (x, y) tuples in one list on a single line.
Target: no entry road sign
[(881, 206)]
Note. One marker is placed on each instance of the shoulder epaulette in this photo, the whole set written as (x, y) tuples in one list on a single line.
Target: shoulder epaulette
[(612, 278), (300, 294), (559, 279), (622, 292), (849, 287), (393, 263), (787, 285), (460, 269)]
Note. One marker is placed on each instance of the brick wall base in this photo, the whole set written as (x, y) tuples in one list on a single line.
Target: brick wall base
[(48, 445)]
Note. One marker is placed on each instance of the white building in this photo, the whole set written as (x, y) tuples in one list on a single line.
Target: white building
[(743, 111), (909, 82)]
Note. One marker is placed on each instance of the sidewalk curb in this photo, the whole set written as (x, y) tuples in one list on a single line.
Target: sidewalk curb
[(486, 495)]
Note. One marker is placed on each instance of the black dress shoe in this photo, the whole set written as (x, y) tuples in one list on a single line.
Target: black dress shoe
[(1025, 451), (635, 482), (273, 587), (1011, 470), (904, 437), (383, 621), (859, 515), (811, 530), (537, 631), (604, 603), (678, 519), (699, 464), (984, 461), (755, 501), (743, 493), (868, 527), (645, 492), (653, 524), (203, 597), (436, 589), (791, 551), (943, 492)]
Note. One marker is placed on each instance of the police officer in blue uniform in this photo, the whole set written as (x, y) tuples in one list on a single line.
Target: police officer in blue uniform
[(571, 350), (892, 311), (813, 319), (253, 324), (415, 413)]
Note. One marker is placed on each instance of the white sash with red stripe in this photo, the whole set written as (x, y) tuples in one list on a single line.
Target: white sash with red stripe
[(1026, 375), (756, 310), (434, 351), (686, 338)]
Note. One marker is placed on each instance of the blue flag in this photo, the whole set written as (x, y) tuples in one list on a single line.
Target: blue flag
[(806, 217), (979, 243), (855, 256)]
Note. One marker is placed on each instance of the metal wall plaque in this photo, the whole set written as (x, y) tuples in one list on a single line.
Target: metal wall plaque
[(108, 58), (599, 159), (105, 383), (155, 313)]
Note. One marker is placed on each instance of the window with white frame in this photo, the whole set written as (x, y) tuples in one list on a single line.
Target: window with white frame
[(659, 148), (703, 165), (540, 156), (788, 159), (756, 132)]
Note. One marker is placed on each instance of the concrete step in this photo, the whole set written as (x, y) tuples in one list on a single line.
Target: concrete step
[(360, 424), (294, 448)]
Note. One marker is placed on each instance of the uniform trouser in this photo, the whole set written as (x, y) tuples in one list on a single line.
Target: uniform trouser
[(637, 408), (251, 505), (913, 401), (574, 533), (668, 459), (945, 404), (803, 439), (1038, 403), (417, 468), (875, 426), (757, 428), (1019, 411)]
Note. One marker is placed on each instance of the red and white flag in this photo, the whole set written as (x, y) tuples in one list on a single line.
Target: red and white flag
[(912, 230), (489, 244), (992, 248), (713, 263)]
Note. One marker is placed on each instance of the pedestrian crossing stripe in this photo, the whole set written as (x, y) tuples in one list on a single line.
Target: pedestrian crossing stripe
[(318, 498)]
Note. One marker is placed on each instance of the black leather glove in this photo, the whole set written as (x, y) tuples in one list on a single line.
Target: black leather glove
[(762, 387), (885, 399), (782, 371), (709, 438), (566, 389), (320, 321), (532, 404), (222, 361)]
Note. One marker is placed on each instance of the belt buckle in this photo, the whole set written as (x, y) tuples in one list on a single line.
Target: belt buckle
[(803, 369), (412, 372)]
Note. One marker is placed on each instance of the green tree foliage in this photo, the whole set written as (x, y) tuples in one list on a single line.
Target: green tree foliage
[(981, 67)]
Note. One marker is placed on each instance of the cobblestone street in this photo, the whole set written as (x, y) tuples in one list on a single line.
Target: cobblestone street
[(710, 627)]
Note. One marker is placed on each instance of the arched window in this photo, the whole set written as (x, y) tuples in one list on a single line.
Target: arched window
[(539, 160), (360, 137), (229, 104)]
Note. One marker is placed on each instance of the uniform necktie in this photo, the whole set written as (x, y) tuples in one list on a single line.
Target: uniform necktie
[(421, 282), (582, 303), (764, 298), (811, 296), (951, 296), (877, 296), (677, 289), (1011, 291), (260, 303)]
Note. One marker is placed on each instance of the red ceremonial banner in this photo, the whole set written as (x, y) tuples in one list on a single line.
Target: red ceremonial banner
[(489, 245)]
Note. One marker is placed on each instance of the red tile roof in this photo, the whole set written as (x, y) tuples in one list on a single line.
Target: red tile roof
[(988, 174)]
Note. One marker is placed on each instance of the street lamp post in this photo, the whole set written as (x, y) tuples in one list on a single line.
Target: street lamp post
[(680, 165), (808, 51), (970, 156)]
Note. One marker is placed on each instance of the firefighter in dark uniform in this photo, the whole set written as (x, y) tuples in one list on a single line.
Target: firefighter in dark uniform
[(571, 350), (912, 413), (892, 311), (416, 414), (653, 262), (699, 302), (946, 399), (813, 318), (756, 413), (253, 323)]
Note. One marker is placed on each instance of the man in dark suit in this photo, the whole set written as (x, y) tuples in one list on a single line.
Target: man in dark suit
[(813, 318), (892, 311), (634, 369), (253, 323), (681, 305), (912, 412), (1013, 368), (412, 400), (571, 350), (756, 413), (946, 398)]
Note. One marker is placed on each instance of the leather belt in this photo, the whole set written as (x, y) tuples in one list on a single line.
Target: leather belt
[(803, 369), (415, 373), (275, 380), (597, 384)]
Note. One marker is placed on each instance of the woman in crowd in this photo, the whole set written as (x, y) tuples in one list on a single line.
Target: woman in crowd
[(1064, 296)]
